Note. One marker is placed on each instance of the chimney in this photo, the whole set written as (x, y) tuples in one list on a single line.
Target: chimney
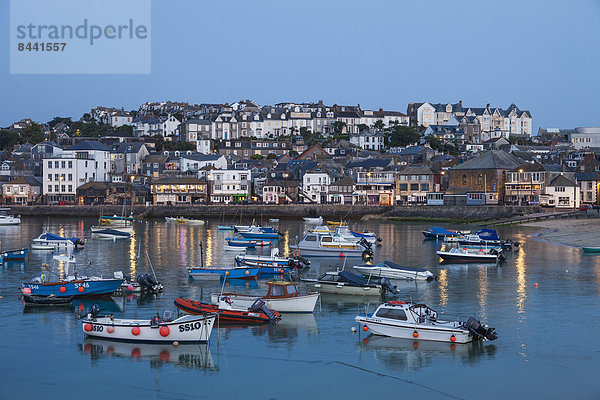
[(487, 105), (460, 103)]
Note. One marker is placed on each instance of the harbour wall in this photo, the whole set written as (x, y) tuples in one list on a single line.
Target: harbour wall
[(295, 211)]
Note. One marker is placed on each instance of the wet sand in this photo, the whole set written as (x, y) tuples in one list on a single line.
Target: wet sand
[(570, 232)]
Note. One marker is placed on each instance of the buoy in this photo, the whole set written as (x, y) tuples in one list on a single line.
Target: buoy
[(81, 307), (87, 327), (341, 255), (176, 343), (130, 288), (80, 289), (365, 328), (453, 338), (26, 290), (135, 330), (62, 289), (110, 329), (164, 331), (246, 272), (226, 273), (281, 270), (353, 329), (415, 334), (535, 285)]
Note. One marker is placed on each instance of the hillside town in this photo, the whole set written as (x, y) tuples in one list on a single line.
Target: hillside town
[(177, 153)]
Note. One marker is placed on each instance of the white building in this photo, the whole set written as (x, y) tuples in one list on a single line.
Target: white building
[(562, 192), (63, 174), (229, 186), (368, 140), (585, 137), (193, 162), (315, 185)]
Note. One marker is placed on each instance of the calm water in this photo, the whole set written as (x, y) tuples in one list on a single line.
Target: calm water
[(548, 345)]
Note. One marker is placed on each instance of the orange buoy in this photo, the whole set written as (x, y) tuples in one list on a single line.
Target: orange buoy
[(26, 290), (246, 272), (81, 289), (281, 271), (535, 285), (226, 273), (164, 331), (62, 289), (110, 329), (135, 330), (341, 255), (365, 328), (415, 334), (87, 327), (130, 288), (453, 338)]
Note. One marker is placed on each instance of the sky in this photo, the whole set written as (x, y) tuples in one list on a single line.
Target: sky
[(541, 55)]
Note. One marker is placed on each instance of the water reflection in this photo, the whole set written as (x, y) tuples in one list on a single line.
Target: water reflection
[(194, 356), (411, 355)]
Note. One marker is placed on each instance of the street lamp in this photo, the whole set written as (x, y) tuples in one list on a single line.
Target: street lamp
[(520, 192)]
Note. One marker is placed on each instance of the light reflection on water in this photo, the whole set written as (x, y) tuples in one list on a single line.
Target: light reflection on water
[(310, 345)]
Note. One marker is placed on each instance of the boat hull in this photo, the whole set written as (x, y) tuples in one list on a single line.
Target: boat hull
[(591, 249), (189, 328), (394, 273), (261, 235), (346, 289), (229, 273), (330, 251), (124, 229), (73, 288), (407, 331), (467, 258), (20, 254), (299, 304), (192, 307)]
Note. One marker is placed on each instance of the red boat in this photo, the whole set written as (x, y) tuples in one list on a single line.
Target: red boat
[(258, 313)]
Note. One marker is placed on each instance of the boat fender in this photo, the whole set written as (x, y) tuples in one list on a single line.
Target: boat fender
[(164, 331), (135, 330)]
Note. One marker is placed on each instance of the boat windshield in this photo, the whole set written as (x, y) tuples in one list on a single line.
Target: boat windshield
[(277, 291), (392, 313), (291, 290)]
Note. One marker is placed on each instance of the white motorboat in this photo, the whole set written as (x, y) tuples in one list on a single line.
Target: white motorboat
[(282, 296), (345, 233), (57, 242), (182, 220), (189, 328), (274, 220), (464, 255), (121, 228), (8, 219), (237, 249), (390, 270), (313, 220), (109, 233), (417, 321), (44, 247), (320, 244), (347, 283)]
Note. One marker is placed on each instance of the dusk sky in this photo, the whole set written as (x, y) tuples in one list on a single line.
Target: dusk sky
[(542, 55)]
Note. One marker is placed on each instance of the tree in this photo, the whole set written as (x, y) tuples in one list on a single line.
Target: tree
[(159, 142), (256, 157), (363, 127), (402, 136), (272, 156), (32, 133), (338, 127), (181, 146), (379, 124), (8, 139), (57, 120)]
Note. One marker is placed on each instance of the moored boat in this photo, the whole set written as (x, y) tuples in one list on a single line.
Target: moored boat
[(19, 254), (256, 313), (58, 242), (230, 272), (347, 283), (121, 228), (189, 328), (313, 220), (8, 219), (240, 243), (417, 321), (320, 244), (272, 264), (47, 300), (591, 249), (439, 233), (391, 270), (259, 233), (463, 255), (109, 233), (282, 296)]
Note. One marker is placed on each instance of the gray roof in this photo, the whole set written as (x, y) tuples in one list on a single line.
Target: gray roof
[(89, 145), (494, 159), (202, 157), (561, 180)]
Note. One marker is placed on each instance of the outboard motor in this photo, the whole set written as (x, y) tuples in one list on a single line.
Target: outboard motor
[(386, 286), (147, 282), (367, 254), (95, 310), (480, 331), (260, 306)]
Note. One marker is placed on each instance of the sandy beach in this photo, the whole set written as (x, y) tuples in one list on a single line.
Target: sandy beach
[(570, 232)]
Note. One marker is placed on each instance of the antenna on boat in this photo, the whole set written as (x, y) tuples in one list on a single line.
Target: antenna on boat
[(151, 267), (201, 256)]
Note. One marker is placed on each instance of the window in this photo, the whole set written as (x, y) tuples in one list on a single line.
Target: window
[(277, 290), (414, 186), (310, 238), (55, 164), (55, 177), (56, 188), (392, 313), (403, 187), (70, 164), (49, 164), (480, 179), (464, 179), (70, 188), (559, 189), (424, 187), (63, 164), (62, 188), (49, 177), (291, 289), (70, 177)]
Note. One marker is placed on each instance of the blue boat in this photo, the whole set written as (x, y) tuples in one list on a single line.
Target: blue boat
[(240, 243), (438, 233), (20, 254), (264, 268), (229, 273), (259, 234), (225, 227), (71, 285)]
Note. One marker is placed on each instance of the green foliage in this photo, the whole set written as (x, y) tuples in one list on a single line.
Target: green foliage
[(158, 142), (272, 156), (437, 145), (379, 124), (338, 127), (402, 136), (8, 139), (32, 134), (519, 141), (363, 127), (174, 146), (293, 153), (57, 120), (256, 157)]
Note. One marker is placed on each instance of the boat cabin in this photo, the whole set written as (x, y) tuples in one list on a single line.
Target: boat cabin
[(281, 289), (398, 310)]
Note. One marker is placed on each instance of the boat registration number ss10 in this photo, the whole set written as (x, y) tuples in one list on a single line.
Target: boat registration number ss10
[(97, 328), (190, 327)]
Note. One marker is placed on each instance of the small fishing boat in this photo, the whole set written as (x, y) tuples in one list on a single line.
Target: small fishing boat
[(121, 228), (346, 234), (417, 321), (8, 219), (230, 272), (273, 220), (282, 296), (337, 223), (189, 328), (313, 220), (115, 219), (257, 313), (71, 285), (345, 282), (272, 264), (51, 300), (182, 220), (109, 233), (240, 243), (237, 249), (463, 255), (591, 249), (320, 244), (486, 237), (20, 254), (439, 233), (225, 227), (388, 269), (259, 233), (58, 242)]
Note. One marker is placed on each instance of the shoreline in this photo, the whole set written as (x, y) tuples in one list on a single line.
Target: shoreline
[(563, 231)]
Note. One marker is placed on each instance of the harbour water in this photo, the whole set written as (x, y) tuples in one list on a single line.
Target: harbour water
[(547, 347)]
